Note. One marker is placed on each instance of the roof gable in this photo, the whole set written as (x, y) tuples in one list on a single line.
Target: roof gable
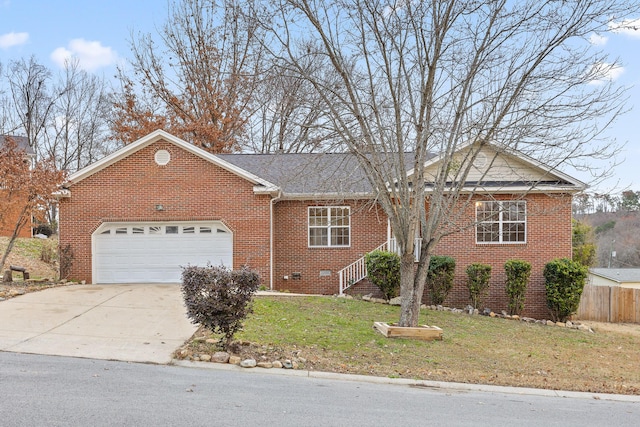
[(261, 184), (502, 169)]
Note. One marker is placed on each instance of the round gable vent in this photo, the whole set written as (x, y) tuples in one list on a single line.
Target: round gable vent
[(480, 161), (162, 157)]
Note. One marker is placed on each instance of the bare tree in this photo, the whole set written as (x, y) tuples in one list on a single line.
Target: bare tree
[(31, 99), (77, 134), (435, 76), (288, 115), (197, 80)]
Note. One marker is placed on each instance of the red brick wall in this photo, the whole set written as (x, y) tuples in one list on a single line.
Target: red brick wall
[(292, 253), (9, 216), (189, 188), (548, 237)]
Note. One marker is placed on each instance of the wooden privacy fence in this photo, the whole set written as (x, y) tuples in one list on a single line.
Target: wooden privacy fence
[(609, 304)]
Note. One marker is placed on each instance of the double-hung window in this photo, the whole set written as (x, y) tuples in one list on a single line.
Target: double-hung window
[(501, 221), (329, 226)]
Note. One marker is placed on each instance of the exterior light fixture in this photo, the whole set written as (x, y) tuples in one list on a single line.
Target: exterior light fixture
[(159, 208)]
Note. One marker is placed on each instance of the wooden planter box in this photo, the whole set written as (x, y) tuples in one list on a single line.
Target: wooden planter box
[(422, 332)]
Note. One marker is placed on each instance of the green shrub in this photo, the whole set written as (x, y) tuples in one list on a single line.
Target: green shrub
[(517, 272), (383, 270), (583, 243), (478, 283), (610, 225), (564, 282), (44, 229), (440, 277), (219, 298)]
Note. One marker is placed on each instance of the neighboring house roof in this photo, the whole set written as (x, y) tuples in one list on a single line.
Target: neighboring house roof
[(618, 275), (21, 141)]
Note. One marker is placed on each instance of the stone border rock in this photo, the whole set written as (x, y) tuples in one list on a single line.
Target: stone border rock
[(469, 310), (232, 359)]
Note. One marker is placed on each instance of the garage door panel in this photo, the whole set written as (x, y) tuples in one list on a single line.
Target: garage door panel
[(153, 256)]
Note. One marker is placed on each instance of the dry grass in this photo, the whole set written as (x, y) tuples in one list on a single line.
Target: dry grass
[(336, 335), (27, 253)]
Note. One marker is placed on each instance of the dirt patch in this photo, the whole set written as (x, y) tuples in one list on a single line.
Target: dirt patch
[(15, 289), (621, 328)]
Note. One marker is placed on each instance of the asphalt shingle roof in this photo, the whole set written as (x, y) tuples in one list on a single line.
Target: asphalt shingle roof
[(618, 274), (22, 142), (307, 173)]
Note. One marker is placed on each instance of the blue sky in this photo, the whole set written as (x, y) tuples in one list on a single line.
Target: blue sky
[(97, 33)]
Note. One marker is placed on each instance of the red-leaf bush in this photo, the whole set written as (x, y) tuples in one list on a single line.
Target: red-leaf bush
[(219, 298)]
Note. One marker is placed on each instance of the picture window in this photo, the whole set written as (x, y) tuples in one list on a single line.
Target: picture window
[(329, 226), (501, 221)]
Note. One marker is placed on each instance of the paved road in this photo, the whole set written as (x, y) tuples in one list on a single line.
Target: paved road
[(60, 391)]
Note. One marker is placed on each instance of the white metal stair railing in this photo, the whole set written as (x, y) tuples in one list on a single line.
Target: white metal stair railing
[(417, 245), (356, 271)]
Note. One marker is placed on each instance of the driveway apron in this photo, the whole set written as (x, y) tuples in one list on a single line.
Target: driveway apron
[(137, 323)]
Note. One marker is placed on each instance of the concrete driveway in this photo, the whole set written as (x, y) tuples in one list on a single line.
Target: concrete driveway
[(137, 323)]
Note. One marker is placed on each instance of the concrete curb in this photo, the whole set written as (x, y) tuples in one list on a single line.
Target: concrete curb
[(412, 383)]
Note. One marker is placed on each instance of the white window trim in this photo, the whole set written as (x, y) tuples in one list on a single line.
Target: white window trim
[(328, 227), (501, 223)]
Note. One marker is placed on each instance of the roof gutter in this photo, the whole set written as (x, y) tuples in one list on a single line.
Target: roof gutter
[(329, 196)]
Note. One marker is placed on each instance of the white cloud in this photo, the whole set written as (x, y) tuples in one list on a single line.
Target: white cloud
[(629, 27), (13, 39), (603, 72), (90, 55), (598, 40)]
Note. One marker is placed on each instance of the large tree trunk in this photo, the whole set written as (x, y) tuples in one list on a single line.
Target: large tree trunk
[(412, 282), (410, 293)]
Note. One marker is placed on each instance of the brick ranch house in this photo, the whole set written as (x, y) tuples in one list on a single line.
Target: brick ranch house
[(10, 217), (159, 203)]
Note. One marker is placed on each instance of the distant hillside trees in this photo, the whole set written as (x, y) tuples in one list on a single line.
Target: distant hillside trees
[(615, 226), (627, 201), (583, 242), (617, 238)]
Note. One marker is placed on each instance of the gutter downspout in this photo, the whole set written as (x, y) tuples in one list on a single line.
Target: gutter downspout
[(272, 202)]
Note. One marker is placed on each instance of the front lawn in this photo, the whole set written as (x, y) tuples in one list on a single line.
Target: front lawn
[(336, 335)]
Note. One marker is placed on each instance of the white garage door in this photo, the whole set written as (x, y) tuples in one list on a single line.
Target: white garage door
[(155, 252)]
